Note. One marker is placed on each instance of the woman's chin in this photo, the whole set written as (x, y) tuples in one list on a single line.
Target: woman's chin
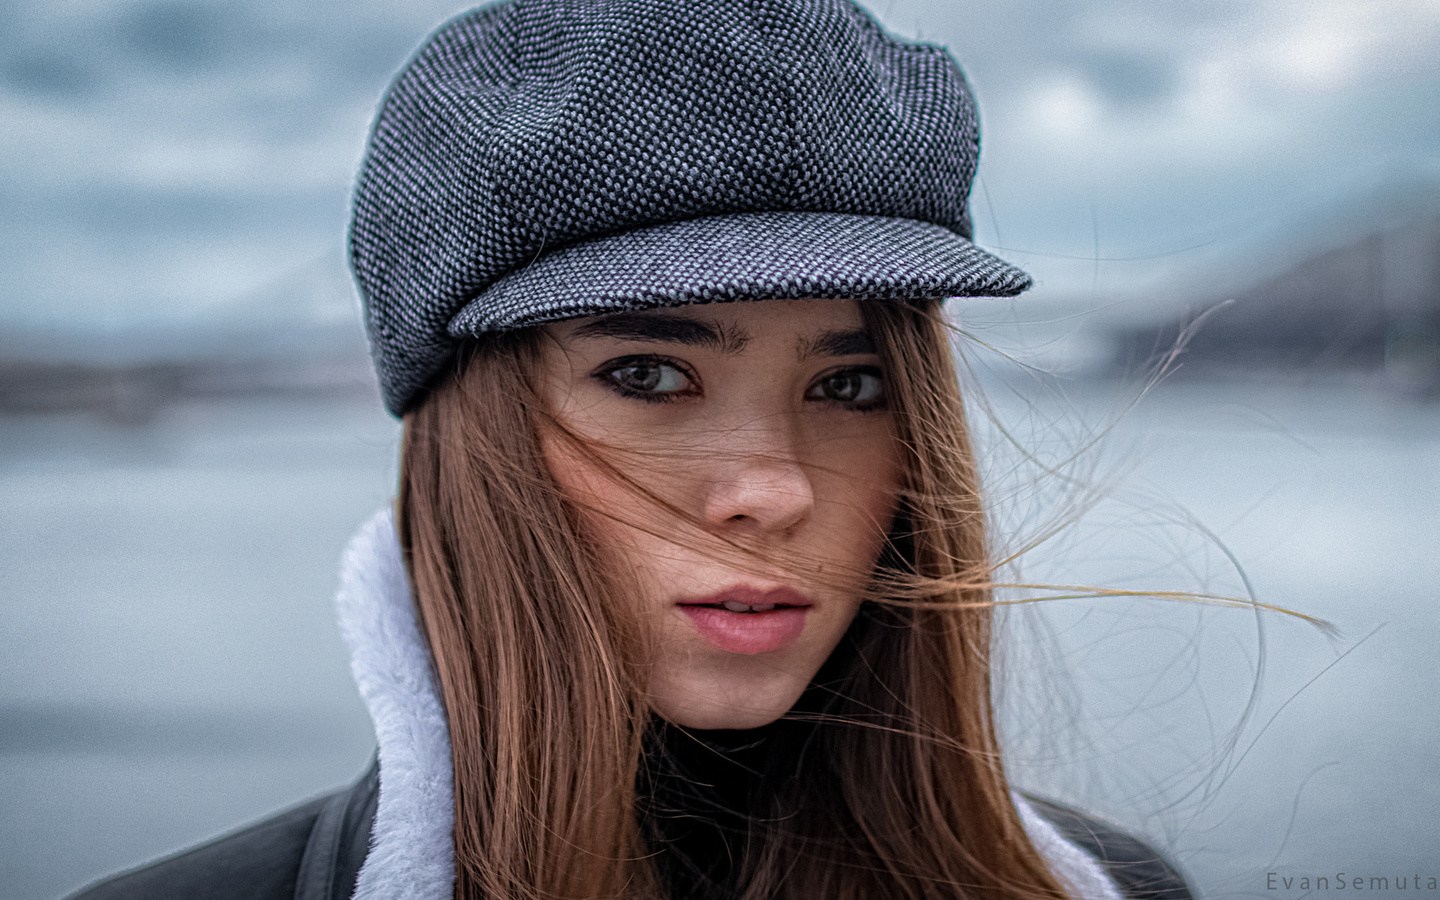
[(725, 710)]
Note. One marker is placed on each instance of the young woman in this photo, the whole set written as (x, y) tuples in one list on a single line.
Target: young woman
[(686, 593)]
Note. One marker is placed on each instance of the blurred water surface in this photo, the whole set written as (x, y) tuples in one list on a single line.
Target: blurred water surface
[(169, 666)]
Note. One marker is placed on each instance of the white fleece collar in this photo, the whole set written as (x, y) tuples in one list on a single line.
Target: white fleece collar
[(412, 848)]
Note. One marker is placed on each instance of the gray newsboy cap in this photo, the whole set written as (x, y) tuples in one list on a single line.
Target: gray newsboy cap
[(539, 160)]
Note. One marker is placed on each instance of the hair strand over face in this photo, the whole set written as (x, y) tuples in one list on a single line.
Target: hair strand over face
[(902, 792)]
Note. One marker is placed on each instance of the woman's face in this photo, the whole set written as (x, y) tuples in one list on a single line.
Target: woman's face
[(766, 423)]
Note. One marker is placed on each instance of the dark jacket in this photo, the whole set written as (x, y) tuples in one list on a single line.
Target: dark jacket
[(314, 852)]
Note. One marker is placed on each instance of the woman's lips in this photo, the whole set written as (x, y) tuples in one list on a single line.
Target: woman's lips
[(747, 620)]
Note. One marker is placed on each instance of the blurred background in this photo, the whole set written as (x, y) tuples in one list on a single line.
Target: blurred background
[(189, 430)]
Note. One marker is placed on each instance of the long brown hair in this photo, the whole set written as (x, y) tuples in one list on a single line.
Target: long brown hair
[(903, 791)]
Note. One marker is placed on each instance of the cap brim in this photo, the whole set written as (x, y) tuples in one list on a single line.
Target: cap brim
[(750, 256)]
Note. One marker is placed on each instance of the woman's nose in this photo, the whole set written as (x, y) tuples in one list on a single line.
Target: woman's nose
[(763, 487)]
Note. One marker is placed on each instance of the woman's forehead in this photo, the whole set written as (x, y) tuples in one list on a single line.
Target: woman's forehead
[(721, 326), (811, 328)]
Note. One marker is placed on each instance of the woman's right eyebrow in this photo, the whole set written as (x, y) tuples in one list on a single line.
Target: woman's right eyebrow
[(641, 326)]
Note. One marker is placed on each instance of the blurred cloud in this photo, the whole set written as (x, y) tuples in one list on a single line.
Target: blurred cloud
[(177, 37), (1131, 78), (1124, 142), (159, 155)]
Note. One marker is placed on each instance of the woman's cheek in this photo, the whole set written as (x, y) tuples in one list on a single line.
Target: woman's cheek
[(864, 489)]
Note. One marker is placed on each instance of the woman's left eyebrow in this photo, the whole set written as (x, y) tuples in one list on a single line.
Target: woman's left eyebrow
[(836, 343)]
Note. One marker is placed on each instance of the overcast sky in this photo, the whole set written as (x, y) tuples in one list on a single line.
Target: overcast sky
[(162, 159)]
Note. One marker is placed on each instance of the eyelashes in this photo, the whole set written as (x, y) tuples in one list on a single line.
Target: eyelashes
[(649, 378), (859, 387), (657, 379)]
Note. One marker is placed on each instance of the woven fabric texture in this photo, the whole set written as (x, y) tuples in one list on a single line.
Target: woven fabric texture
[(541, 159)]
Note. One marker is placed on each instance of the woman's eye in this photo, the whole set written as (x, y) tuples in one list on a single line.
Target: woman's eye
[(854, 387), (651, 379)]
